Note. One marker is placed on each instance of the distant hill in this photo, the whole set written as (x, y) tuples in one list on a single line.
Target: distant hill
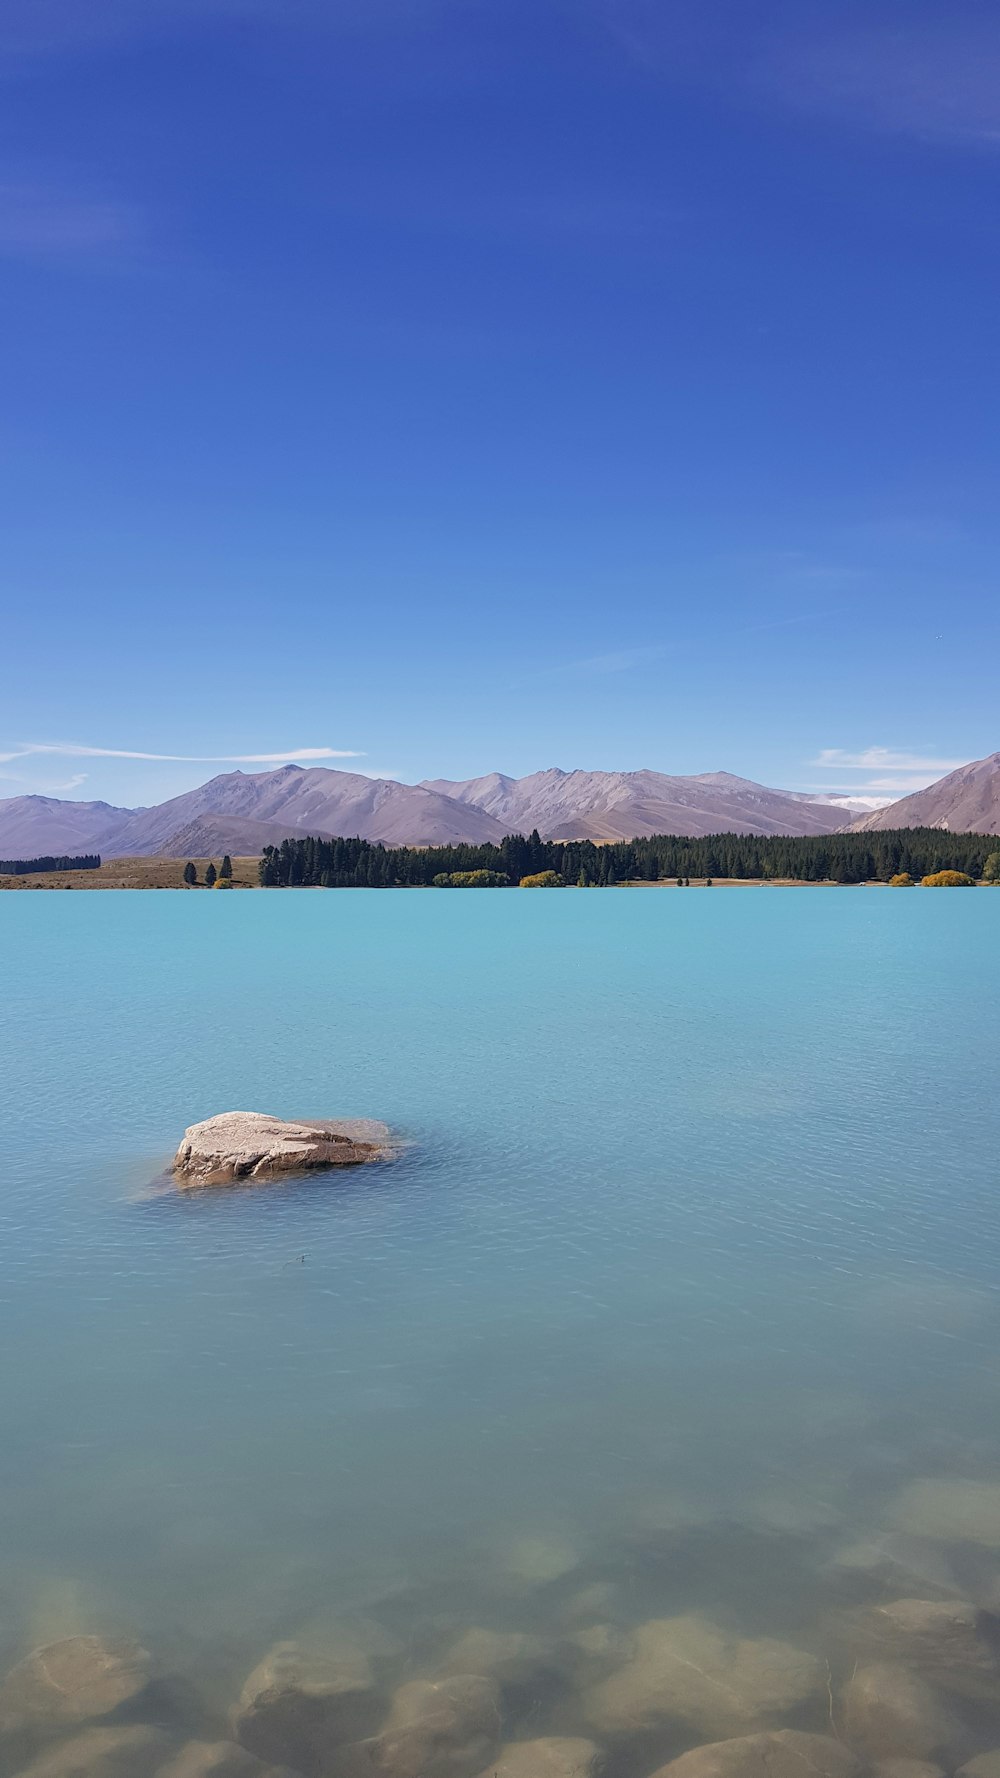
[(966, 801), (240, 812)]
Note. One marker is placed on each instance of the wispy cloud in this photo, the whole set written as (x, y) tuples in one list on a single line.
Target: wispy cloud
[(885, 772), (880, 759), (617, 660), (44, 218), (925, 74), (75, 750)]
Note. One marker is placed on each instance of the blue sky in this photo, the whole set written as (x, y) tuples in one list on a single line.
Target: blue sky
[(490, 385)]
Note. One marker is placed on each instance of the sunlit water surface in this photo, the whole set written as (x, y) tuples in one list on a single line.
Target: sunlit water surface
[(689, 1270)]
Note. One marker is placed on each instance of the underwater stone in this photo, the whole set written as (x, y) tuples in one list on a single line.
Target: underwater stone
[(685, 1669), (949, 1641), (219, 1759), (302, 1701), (76, 1680), (953, 1511), (552, 1756), (891, 1712), (512, 1657), (134, 1752), (786, 1753), (446, 1728)]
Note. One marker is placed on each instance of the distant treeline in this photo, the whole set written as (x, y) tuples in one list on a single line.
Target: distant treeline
[(22, 867), (840, 857)]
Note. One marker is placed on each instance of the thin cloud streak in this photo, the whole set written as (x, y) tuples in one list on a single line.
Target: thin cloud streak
[(74, 750), (882, 759)]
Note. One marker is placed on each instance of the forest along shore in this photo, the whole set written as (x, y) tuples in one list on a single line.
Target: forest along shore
[(903, 858)]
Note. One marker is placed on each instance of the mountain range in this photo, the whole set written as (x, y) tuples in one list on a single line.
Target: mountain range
[(240, 812)]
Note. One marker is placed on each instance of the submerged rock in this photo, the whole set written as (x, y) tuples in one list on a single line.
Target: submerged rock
[(552, 1756), (134, 1752), (985, 1765), (902, 1767), (686, 1670), (537, 1561), (949, 1641), (443, 1728), (219, 1759), (893, 1559), (953, 1511), (890, 1712), (77, 1680), (786, 1753), (301, 1702), (512, 1657), (252, 1145)]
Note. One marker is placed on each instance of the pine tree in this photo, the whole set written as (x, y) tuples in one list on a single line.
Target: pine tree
[(210, 875), (226, 867), (190, 874)]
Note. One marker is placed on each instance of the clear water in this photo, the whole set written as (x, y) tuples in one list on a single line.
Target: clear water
[(690, 1269)]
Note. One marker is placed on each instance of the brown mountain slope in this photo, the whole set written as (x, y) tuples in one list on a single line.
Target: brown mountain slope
[(629, 805), (33, 826), (966, 801), (239, 812)]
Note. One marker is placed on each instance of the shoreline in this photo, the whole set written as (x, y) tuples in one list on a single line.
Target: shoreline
[(167, 874)]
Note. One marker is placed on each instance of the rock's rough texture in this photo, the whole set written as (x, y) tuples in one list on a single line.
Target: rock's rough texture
[(915, 1768), (600, 1649), (219, 1759), (444, 1728), (135, 1752), (949, 1641), (686, 1670), (954, 1511), (553, 1756), (787, 1753), (302, 1702), (890, 1712), (537, 1561), (512, 1657), (68, 1683), (985, 1765), (251, 1145)]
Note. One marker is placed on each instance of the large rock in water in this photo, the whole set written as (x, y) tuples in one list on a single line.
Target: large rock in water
[(891, 1713), (252, 1145), (787, 1753), (134, 1752), (303, 1702), (68, 1683), (687, 1670), (441, 1728)]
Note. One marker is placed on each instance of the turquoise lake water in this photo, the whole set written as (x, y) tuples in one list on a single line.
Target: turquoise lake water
[(689, 1272)]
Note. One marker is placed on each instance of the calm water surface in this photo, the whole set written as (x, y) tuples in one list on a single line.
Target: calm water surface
[(690, 1270)]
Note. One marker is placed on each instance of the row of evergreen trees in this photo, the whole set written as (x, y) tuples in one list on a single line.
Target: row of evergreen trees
[(224, 874), (840, 857), (22, 867)]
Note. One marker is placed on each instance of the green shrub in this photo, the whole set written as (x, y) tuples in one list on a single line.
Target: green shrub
[(542, 879), (470, 879)]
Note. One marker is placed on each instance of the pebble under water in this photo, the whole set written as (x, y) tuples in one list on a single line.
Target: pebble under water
[(616, 1417)]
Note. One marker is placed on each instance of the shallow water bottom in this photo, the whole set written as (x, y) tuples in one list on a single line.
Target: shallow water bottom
[(682, 1300)]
